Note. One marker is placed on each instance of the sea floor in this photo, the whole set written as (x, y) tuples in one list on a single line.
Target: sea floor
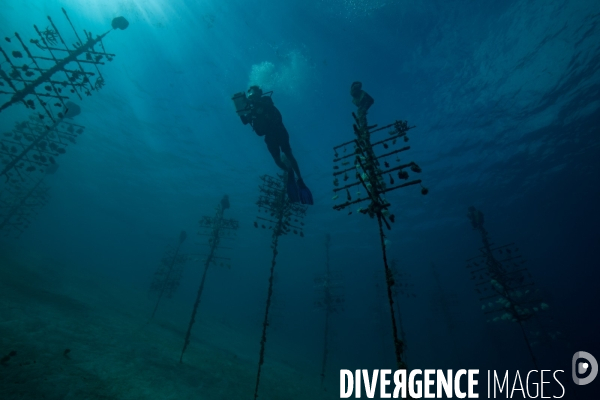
[(114, 353)]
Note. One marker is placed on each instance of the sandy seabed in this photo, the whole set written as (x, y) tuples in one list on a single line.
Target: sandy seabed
[(114, 353)]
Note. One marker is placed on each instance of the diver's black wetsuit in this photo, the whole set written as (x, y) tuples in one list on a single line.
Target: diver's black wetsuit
[(266, 121)]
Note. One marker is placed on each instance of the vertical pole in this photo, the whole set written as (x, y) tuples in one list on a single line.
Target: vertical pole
[(214, 243), (166, 280), (389, 278), (278, 229)]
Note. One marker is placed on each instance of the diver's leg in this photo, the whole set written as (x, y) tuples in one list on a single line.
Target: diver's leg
[(304, 194), (274, 150), (287, 150)]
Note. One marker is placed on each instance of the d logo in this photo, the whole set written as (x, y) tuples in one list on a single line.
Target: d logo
[(583, 367)]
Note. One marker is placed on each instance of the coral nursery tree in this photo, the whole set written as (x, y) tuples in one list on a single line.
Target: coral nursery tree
[(50, 71), (503, 284), (281, 217), (168, 275), (360, 167), (44, 74), (329, 292), (216, 228)]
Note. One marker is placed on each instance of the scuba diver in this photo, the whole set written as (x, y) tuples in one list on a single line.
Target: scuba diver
[(266, 120), (363, 101)]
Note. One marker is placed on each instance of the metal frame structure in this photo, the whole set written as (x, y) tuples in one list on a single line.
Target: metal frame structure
[(20, 203), (58, 72), (216, 228), (504, 285), (282, 217), (403, 287), (366, 170), (168, 275), (44, 73), (31, 147), (28, 154)]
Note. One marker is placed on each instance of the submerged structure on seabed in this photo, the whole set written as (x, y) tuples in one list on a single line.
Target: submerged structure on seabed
[(281, 217), (44, 74), (28, 154), (48, 72), (216, 228), (504, 285), (359, 167), (329, 290), (168, 275), (20, 203), (32, 147)]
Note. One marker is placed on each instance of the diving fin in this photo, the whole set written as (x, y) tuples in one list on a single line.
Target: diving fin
[(292, 189), (304, 193)]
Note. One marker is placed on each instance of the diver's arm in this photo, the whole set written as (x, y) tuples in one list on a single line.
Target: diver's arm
[(251, 119)]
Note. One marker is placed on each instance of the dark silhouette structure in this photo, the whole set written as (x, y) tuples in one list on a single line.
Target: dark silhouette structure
[(43, 75), (504, 285), (51, 70), (20, 203), (282, 217), (216, 228), (403, 288), (362, 169), (28, 154), (168, 275), (32, 147)]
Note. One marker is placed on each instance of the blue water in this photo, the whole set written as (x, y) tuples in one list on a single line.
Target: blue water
[(506, 100)]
